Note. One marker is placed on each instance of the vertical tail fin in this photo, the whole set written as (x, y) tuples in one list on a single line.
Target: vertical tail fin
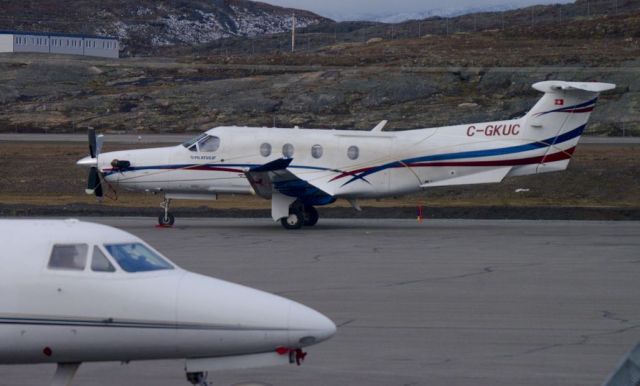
[(560, 117)]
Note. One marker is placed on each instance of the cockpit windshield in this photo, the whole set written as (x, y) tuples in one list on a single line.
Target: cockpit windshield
[(136, 257), (203, 143), (193, 140)]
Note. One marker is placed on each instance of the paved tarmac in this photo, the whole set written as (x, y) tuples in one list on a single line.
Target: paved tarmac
[(179, 138), (446, 302)]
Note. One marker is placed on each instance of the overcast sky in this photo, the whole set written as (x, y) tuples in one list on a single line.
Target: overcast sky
[(369, 9)]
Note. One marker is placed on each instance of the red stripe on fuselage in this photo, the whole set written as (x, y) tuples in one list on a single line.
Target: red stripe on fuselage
[(559, 156), (583, 110), (351, 173)]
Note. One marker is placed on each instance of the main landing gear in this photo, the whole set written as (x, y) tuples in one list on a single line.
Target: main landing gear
[(166, 219), (300, 215), (198, 379)]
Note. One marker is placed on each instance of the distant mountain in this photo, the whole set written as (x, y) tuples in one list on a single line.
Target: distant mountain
[(446, 12), (440, 12), (143, 25)]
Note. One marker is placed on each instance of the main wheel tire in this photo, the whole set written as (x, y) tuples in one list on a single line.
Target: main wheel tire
[(166, 221), (295, 220), (311, 216)]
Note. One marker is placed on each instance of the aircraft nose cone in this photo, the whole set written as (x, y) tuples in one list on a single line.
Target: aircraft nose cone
[(87, 161), (307, 326)]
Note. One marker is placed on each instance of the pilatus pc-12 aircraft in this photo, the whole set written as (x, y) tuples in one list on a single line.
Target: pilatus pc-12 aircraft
[(76, 292), (298, 169)]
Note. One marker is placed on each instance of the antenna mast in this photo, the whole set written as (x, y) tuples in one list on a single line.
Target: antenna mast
[(293, 32)]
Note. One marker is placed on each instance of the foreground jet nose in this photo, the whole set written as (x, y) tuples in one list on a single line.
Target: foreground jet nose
[(87, 161), (307, 326)]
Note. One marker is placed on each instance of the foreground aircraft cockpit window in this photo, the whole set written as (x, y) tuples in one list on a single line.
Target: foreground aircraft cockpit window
[(135, 257), (100, 263), (68, 257)]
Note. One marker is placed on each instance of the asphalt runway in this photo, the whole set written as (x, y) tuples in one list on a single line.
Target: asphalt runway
[(445, 302)]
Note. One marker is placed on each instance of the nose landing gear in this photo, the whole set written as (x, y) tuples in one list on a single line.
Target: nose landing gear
[(166, 219), (198, 379)]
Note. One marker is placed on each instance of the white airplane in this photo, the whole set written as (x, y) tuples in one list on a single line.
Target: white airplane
[(298, 169), (76, 292)]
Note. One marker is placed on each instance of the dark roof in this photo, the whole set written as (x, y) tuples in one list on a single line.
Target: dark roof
[(6, 32)]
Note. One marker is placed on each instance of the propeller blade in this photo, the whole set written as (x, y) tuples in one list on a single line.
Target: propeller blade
[(98, 191), (93, 182), (92, 142), (99, 141)]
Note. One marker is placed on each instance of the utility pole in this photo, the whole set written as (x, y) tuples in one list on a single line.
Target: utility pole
[(293, 32), (531, 17), (419, 29)]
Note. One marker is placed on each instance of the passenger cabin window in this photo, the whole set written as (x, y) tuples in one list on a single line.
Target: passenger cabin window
[(353, 152), (265, 149), (288, 150), (316, 151), (136, 257), (70, 257), (100, 263)]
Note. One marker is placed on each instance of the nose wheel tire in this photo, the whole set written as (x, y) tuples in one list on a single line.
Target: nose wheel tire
[(166, 220), (311, 216), (295, 220)]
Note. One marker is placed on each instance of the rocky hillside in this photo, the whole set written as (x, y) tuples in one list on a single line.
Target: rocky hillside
[(67, 94), (145, 25), (419, 82)]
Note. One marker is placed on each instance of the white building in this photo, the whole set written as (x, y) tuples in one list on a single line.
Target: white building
[(14, 41)]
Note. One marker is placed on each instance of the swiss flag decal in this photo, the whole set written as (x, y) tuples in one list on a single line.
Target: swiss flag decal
[(559, 102)]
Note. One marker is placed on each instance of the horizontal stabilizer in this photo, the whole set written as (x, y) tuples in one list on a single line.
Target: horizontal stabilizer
[(559, 85), (485, 177)]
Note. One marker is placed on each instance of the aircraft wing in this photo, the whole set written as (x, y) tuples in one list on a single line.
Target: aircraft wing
[(275, 176)]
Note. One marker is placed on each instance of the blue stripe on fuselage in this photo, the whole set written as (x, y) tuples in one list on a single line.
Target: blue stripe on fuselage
[(475, 153)]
